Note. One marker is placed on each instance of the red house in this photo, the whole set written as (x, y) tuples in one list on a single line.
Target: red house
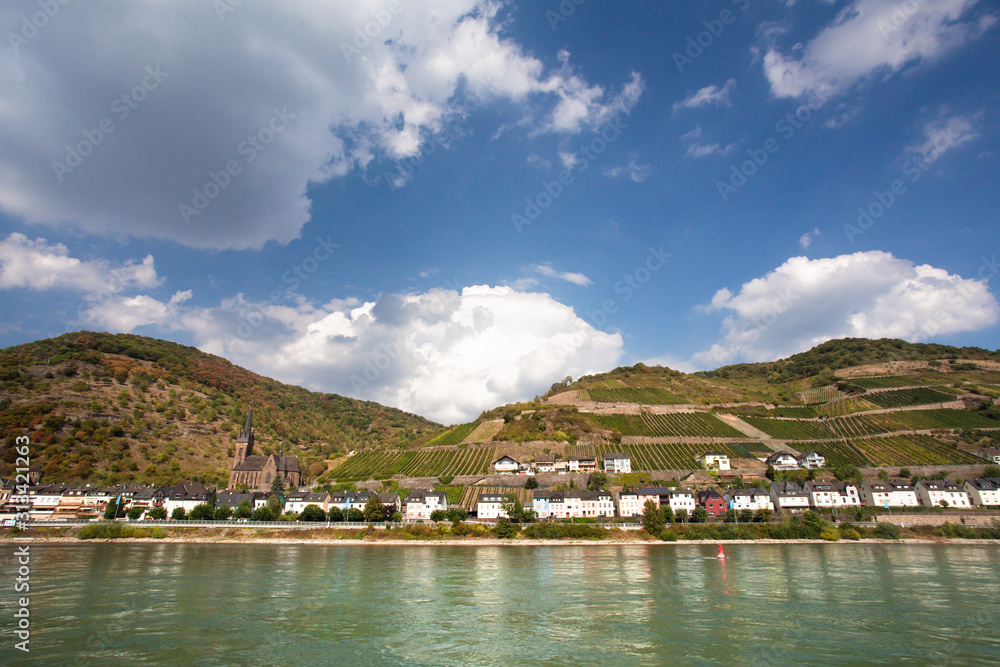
[(713, 503)]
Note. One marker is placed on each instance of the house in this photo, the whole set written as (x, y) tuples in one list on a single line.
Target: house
[(714, 461), (187, 495), (73, 502), (573, 504), (628, 504), (490, 506), (894, 493), (391, 501), (582, 464), (420, 504), (232, 500), (617, 462), (991, 454), (812, 460), (545, 463), (597, 504), (506, 465), (822, 494), (942, 493), (752, 499), (983, 492), (147, 499), (44, 500), (297, 501), (849, 495), (659, 495), (713, 502), (782, 461), (682, 499), (548, 504), (789, 496)]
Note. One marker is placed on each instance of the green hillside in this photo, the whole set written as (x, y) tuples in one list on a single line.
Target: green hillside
[(104, 408)]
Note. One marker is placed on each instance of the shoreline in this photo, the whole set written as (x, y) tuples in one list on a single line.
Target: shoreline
[(483, 542)]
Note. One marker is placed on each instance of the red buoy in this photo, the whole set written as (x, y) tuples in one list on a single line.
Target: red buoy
[(721, 555)]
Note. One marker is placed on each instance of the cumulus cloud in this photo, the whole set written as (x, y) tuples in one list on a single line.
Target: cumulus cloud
[(234, 114), (872, 294), (806, 239), (575, 278), (444, 354), (40, 265), (873, 38), (717, 96)]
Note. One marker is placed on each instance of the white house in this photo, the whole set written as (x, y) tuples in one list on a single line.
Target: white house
[(783, 461), (983, 492), (991, 454), (848, 494), (682, 499), (894, 493), (617, 462), (597, 504), (187, 495), (714, 461), (811, 460), (297, 501), (420, 504), (789, 496), (506, 465), (545, 463), (822, 494), (942, 493), (489, 506), (582, 464), (628, 504), (749, 499)]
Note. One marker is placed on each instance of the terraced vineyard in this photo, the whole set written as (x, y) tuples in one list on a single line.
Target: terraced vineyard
[(784, 429), (846, 406), (882, 382), (673, 456), (680, 424), (433, 463), (750, 450), (453, 437), (854, 426), (945, 418), (840, 454), (911, 450), (470, 496), (484, 432), (906, 397), (820, 395), (641, 395), (796, 412)]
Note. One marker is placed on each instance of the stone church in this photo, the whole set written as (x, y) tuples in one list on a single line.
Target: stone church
[(257, 472)]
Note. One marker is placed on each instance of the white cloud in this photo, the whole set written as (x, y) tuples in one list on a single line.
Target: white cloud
[(636, 172), (37, 264), (569, 160), (806, 239), (942, 135), (349, 105), (575, 278), (709, 95), (444, 354), (873, 38), (868, 294), (704, 150), (126, 313)]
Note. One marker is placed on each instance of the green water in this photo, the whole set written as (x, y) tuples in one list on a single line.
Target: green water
[(228, 604)]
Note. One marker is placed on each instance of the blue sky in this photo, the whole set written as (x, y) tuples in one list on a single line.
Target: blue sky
[(477, 199)]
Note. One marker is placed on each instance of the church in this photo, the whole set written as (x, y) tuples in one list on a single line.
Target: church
[(256, 472)]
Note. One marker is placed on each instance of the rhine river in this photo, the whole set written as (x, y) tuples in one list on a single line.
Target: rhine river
[(258, 604)]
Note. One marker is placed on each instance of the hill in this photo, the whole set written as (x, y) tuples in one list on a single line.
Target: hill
[(105, 408)]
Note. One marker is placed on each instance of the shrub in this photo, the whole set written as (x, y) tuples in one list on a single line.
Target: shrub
[(668, 535), (202, 512), (700, 515), (505, 529), (178, 514), (157, 513), (830, 534), (887, 531), (134, 513), (531, 483), (439, 515), (223, 512), (105, 531), (312, 513), (264, 513), (445, 479), (396, 516)]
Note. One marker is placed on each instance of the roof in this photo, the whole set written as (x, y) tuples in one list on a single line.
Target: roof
[(232, 499), (714, 454), (787, 489), (506, 456), (545, 458), (778, 455), (492, 498), (983, 484), (615, 455)]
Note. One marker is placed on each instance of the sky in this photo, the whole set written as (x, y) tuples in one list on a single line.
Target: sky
[(449, 205)]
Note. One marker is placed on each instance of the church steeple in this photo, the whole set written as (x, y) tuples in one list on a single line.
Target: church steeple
[(244, 443)]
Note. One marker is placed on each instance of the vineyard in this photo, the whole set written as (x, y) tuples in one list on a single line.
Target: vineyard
[(784, 429), (793, 412), (883, 382), (905, 397), (641, 395), (750, 450), (484, 432), (855, 426), (846, 406), (911, 450), (435, 463), (678, 424), (673, 456), (820, 395), (453, 437), (470, 496)]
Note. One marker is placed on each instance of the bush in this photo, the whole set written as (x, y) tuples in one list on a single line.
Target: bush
[(178, 514), (312, 513), (134, 513), (700, 515), (504, 529), (830, 534), (439, 515), (531, 483), (668, 535), (396, 516), (157, 513), (105, 531), (887, 531), (445, 479), (202, 512), (556, 531), (457, 515), (337, 514), (223, 512), (264, 513)]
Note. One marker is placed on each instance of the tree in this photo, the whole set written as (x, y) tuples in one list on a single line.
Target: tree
[(202, 512), (374, 509), (397, 516), (223, 512), (763, 515), (278, 488), (515, 510), (883, 475), (652, 518), (597, 480), (746, 516), (700, 515), (264, 513), (276, 503), (114, 509), (355, 515), (157, 513), (730, 516), (667, 512), (134, 513), (178, 514), (770, 474), (335, 514), (457, 515), (312, 513), (504, 529), (905, 472), (680, 516), (439, 515), (244, 510), (988, 471), (532, 483)]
